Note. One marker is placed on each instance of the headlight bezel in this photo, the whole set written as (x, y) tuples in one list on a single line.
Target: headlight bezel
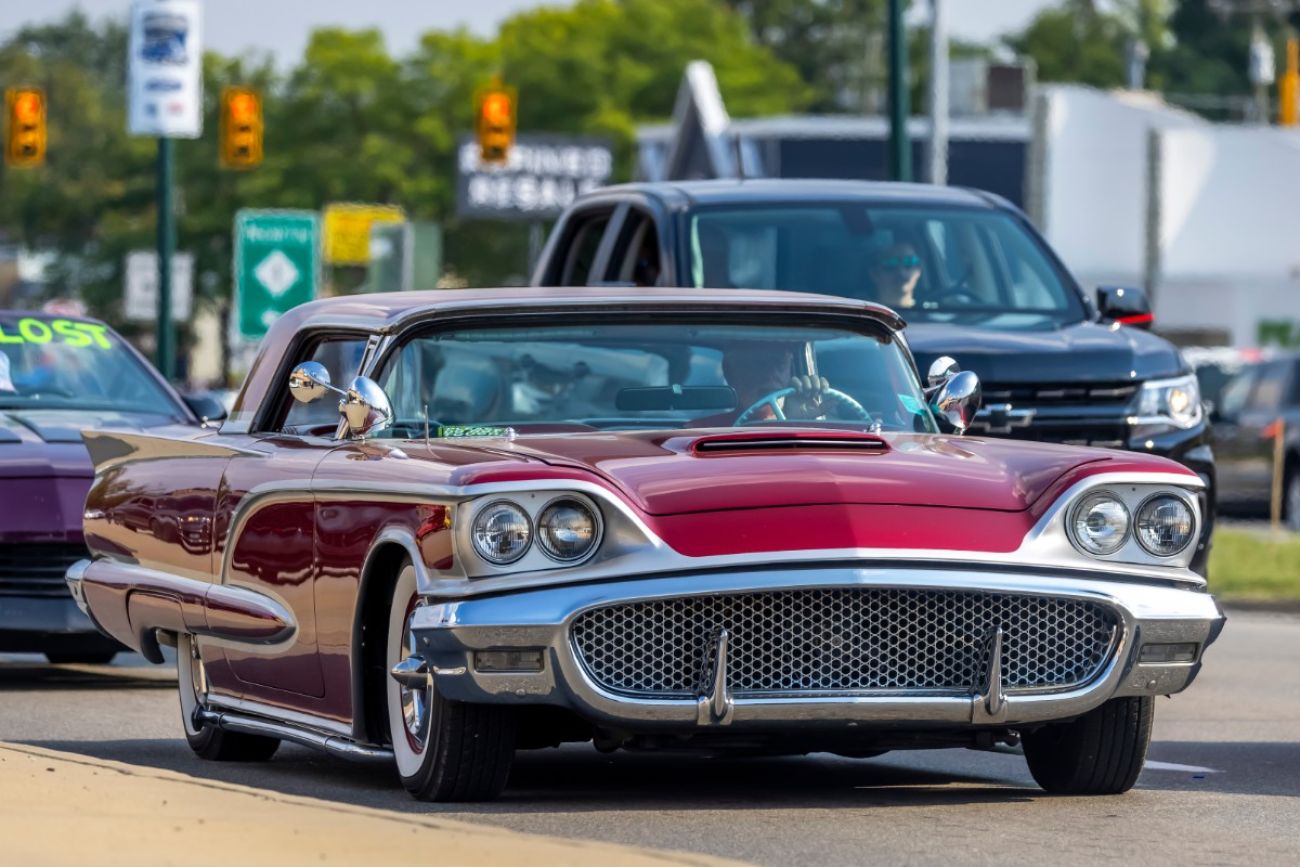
[(1153, 403), (1134, 495), (472, 564), (1191, 513)]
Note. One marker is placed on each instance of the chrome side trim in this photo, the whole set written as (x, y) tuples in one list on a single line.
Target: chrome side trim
[(198, 600), (340, 746), (269, 711)]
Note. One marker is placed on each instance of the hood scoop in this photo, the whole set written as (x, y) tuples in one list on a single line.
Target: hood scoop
[(749, 442)]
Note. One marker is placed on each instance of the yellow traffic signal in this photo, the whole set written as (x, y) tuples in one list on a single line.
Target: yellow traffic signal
[(241, 128), (495, 113), (25, 133)]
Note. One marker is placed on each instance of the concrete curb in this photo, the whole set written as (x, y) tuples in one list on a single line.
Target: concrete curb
[(59, 808)]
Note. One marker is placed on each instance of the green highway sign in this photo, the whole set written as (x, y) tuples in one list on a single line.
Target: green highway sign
[(277, 266)]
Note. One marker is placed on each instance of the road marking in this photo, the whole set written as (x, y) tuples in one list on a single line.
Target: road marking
[(1171, 766)]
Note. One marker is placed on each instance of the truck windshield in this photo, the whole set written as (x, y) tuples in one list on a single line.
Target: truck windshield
[(929, 263), (660, 374), (52, 363)]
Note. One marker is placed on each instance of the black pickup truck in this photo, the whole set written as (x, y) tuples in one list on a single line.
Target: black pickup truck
[(971, 276)]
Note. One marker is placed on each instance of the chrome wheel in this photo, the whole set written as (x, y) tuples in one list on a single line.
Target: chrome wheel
[(193, 681), (410, 706), (415, 702)]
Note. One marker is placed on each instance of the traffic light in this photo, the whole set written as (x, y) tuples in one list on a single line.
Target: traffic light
[(495, 111), (241, 128), (25, 131)]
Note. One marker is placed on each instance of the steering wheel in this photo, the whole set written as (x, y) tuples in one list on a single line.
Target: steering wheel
[(771, 400)]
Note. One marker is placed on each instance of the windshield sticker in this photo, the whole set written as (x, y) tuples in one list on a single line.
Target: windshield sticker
[(450, 431), (65, 331)]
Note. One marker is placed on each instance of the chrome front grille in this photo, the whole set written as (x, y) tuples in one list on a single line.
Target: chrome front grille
[(844, 640)]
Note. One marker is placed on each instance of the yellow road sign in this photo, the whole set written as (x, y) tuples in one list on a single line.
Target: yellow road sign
[(347, 230)]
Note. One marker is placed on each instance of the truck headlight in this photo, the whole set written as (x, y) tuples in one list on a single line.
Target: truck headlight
[(1099, 524), (1164, 525), (1174, 402)]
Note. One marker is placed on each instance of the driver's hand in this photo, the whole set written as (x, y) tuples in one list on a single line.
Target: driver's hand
[(806, 402)]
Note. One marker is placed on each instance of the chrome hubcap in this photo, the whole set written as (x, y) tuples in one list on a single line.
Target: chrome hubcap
[(415, 701)]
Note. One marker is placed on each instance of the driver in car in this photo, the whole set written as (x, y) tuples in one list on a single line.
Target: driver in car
[(757, 370), (895, 269)]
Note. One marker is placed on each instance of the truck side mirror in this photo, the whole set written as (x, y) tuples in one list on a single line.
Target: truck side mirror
[(1125, 305)]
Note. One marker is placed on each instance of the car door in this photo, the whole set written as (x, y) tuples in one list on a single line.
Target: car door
[(267, 524), (1251, 405)]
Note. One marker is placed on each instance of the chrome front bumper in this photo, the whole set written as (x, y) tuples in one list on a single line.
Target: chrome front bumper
[(450, 633)]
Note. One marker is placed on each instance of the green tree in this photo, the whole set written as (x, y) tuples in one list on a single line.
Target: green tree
[(351, 122), (1075, 42), (836, 46)]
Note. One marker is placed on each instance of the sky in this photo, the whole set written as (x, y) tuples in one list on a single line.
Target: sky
[(281, 26)]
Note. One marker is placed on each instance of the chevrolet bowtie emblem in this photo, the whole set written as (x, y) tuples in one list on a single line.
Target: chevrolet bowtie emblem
[(1001, 418)]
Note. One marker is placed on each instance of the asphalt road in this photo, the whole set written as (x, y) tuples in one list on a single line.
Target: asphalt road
[(1222, 784)]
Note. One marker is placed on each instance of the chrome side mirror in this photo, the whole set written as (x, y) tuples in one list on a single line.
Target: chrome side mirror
[(366, 409), (959, 399), (943, 369), (309, 380)]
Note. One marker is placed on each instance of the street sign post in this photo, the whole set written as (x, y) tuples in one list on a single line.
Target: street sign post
[(541, 176), (277, 267), (140, 289)]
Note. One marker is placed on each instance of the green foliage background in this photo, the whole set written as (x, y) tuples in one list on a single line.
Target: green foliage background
[(351, 122)]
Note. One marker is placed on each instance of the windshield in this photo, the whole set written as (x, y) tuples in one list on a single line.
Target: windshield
[(52, 363), (969, 265), (662, 374)]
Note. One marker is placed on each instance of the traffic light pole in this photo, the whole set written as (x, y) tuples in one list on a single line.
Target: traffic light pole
[(166, 246), (900, 147)]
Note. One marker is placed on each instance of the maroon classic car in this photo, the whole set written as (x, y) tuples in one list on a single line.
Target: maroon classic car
[(647, 518), (59, 375)]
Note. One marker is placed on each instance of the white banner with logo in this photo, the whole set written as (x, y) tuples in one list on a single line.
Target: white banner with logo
[(165, 69)]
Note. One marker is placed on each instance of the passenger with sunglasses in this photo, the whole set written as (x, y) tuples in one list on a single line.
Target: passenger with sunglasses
[(895, 270)]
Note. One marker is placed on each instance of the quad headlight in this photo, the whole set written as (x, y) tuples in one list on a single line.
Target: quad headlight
[(531, 531), (1164, 525), (1099, 524), (502, 532), (1174, 402), (567, 530)]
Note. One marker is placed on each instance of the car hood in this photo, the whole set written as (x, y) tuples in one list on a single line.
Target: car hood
[(1079, 352), (667, 473), (43, 442), (45, 467)]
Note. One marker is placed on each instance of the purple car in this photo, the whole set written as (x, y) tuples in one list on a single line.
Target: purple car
[(59, 375)]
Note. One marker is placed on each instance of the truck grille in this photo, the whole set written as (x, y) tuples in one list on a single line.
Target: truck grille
[(844, 640), (1061, 393), (1086, 414), (37, 569)]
